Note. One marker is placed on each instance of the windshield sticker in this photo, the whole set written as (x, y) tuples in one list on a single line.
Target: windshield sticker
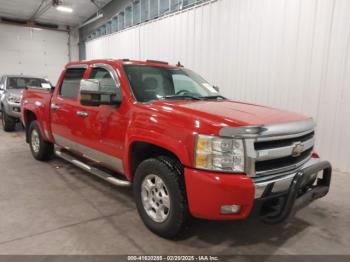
[(45, 85)]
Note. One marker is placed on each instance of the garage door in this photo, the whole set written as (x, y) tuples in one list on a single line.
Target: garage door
[(29, 51)]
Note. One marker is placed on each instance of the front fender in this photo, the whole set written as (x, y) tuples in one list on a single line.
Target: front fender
[(181, 147)]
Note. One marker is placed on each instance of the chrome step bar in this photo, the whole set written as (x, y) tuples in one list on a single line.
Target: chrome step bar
[(92, 170)]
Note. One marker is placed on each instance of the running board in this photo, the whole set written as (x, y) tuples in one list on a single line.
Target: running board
[(92, 170)]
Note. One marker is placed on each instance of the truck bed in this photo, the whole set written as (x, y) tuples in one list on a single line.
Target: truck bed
[(38, 100)]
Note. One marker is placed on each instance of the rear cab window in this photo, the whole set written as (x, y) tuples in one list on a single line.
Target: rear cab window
[(71, 83)]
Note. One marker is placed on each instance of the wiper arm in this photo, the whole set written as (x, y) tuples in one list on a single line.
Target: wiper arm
[(181, 97), (213, 97)]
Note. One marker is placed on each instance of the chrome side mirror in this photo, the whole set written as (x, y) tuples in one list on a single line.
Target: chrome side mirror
[(94, 92)]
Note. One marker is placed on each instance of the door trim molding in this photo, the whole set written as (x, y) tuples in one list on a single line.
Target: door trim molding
[(113, 162)]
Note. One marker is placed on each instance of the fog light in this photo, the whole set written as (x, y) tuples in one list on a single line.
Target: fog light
[(230, 209)]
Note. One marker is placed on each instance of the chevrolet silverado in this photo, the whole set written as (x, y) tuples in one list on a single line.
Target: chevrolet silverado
[(185, 149)]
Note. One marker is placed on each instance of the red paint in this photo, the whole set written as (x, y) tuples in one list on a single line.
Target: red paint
[(208, 191), (168, 124)]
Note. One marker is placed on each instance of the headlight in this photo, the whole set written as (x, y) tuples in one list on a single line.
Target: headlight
[(219, 154), (14, 99)]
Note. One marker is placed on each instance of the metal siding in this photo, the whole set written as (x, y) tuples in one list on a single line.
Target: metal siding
[(286, 54)]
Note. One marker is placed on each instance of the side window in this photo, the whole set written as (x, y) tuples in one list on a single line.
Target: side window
[(71, 83), (106, 81)]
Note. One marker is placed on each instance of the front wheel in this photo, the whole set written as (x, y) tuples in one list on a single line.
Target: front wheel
[(41, 149), (160, 196)]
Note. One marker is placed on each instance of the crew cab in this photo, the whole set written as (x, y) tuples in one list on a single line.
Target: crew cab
[(185, 149)]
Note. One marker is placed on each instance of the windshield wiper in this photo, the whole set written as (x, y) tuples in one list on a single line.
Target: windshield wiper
[(181, 97), (213, 97)]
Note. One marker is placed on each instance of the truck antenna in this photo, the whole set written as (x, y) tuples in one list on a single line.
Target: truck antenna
[(179, 64)]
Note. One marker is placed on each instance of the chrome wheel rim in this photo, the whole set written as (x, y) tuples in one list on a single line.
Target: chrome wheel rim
[(155, 198), (35, 141)]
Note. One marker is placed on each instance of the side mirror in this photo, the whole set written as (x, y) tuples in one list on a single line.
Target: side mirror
[(94, 92), (216, 88)]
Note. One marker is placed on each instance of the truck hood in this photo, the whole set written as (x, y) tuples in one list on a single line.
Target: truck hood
[(228, 112)]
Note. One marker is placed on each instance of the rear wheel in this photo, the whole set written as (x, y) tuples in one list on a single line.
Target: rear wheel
[(160, 196), (41, 149), (8, 122)]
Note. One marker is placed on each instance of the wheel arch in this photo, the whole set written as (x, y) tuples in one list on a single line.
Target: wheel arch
[(28, 117), (141, 150)]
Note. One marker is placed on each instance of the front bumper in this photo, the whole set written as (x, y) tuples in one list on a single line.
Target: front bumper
[(271, 199), (208, 191), (308, 184)]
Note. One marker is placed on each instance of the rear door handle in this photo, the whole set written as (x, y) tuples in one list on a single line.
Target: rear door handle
[(55, 107), (82, 114)]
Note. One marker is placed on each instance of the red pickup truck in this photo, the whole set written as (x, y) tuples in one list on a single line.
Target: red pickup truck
[(186, 149)]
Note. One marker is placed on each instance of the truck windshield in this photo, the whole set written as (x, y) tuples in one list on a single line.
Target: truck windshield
[(158, 83), (22, 82)]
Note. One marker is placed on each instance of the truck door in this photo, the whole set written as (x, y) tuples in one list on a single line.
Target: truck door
[(104, 127), (64, 105)]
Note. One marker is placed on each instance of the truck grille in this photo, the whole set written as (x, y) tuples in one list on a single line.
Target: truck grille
[(281, 155), (276, 155), (283, 142), (275, 149), (289, 162)]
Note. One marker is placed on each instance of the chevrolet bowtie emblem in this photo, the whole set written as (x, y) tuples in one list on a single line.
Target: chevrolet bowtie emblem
[(298, 149)]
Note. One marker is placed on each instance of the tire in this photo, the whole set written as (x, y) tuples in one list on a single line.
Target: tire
[(41, 149), (174, 211), (8, 122)]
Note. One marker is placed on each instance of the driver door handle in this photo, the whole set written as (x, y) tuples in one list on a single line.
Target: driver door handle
[(82, 114)]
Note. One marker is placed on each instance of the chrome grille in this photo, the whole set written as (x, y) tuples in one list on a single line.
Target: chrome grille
[(277, 156), (275, 149), (283, 142)]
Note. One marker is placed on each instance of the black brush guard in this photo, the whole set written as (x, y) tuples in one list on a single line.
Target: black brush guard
[(274, 208)]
